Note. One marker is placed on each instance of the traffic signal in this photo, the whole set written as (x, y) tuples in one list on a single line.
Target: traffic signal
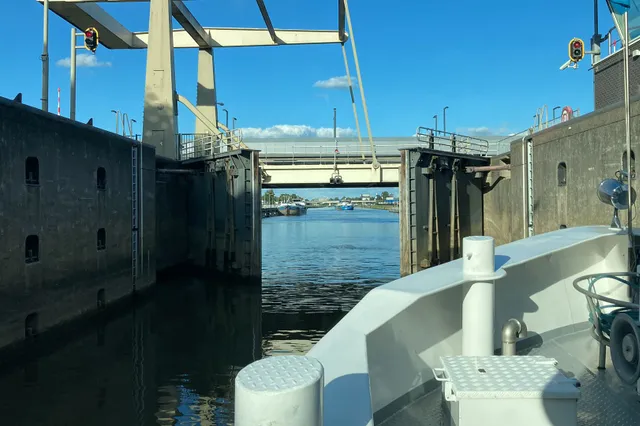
[(576, 50), (91, 39)]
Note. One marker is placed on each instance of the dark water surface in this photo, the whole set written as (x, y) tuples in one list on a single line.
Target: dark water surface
[(171, 359)]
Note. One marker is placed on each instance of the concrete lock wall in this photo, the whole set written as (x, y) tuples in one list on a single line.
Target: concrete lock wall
[(65, 219), (210, 221), (429, 235), (232, 243), (172, 219), (69, 218), (586, 150), (608, 78)]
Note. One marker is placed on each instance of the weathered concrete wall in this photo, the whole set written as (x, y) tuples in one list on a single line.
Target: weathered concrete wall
[(500, 217), (592, 149), (52, 188), (608, 78), (209, 217), (226, 224), (172, 219)]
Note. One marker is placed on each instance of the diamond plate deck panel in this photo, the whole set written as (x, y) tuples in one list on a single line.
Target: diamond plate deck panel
[(604, 400)]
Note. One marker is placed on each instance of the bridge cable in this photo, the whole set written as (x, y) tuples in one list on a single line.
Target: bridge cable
[(364, 102), (353, 100)]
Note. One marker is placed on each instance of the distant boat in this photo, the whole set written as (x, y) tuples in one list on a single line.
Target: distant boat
[(345, 205), (302, 206), (293, 208)]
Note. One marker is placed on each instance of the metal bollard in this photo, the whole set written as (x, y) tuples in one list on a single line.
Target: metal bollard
[(281, 390), (478, 305)]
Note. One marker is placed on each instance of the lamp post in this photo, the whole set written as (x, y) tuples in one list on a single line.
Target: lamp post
[(226, 118), (131, 127), (444, 119), (45, 58), (234, 123), (436, 118)]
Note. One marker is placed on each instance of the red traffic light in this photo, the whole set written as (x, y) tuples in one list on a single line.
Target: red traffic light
[(91, 40), (576, 50)]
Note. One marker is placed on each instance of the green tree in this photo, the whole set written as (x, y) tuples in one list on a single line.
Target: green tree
[(269, 197), (385, 195)]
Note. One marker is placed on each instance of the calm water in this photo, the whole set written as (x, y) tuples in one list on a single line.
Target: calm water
[(171, 359)]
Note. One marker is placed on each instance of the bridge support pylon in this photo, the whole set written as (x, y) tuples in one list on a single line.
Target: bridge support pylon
[(160, 123), (206, 98)]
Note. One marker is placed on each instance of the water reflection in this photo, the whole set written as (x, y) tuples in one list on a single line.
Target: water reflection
[(172, 359)]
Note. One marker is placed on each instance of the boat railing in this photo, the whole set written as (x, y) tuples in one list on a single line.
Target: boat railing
[(604, 308)]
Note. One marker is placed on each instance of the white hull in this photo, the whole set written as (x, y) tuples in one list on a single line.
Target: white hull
[(381, 356)]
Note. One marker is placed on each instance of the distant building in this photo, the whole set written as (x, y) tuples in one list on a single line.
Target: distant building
[(391, 200)]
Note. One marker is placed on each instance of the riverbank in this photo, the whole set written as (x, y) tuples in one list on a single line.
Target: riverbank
[(389, 207)]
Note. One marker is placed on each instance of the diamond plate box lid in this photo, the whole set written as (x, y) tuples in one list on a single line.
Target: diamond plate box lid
[(494, 377)]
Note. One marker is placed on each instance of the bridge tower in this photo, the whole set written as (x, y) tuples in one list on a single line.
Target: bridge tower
[(160, 100)]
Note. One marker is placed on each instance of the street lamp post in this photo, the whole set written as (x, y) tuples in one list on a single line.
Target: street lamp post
[(234, 123), (226, 118), (45, 58), (436, 118), (444, 119)]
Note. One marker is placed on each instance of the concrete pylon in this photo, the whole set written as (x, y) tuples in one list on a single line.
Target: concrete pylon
[(160, 123), (206, 99)]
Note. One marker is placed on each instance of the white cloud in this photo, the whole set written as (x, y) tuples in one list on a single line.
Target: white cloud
[(334, 83), (83, 60), (294, 130)]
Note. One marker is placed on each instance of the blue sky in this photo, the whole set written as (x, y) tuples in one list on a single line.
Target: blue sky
[(493, 63)]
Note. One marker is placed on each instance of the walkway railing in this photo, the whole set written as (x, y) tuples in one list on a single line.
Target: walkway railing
[(321, 154), (452, 142), (199, 145), (504, 145)]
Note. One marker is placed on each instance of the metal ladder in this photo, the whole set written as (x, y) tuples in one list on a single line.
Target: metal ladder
[(134, 214), (530, 185)]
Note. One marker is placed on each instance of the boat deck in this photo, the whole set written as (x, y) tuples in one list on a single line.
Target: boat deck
[(604, 399)]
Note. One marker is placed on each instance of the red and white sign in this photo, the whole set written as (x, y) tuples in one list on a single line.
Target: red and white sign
[(567, 114)]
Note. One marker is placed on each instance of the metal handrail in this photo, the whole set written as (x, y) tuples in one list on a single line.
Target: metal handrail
[(452, 142), (504, 145), (328, 149), (594, 307), (199, 145), (195, 145)]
